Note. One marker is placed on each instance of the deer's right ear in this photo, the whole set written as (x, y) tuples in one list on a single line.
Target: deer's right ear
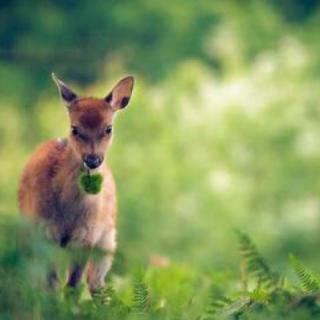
[(66, 94)]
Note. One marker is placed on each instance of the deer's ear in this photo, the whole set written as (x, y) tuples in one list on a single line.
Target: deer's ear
[(120, 95), (66, 94)]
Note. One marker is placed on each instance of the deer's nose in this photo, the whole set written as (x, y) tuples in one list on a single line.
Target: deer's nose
[(92, 161)]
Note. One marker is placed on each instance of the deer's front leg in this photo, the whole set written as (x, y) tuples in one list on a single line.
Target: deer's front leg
[(75, 275), (80, 252), (97, 272)]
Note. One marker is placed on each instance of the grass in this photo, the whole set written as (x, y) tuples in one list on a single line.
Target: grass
[(161, 290)]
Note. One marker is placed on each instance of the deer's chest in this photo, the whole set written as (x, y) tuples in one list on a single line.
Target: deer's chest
[(76, 220)]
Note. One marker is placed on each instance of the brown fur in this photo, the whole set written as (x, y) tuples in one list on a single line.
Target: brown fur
[(49, 190), (91, 119)]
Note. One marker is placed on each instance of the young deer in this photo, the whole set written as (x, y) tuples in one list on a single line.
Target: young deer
[(49, 189)]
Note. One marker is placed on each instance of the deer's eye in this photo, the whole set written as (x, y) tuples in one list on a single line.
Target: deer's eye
[(108, 130), (74, 131)]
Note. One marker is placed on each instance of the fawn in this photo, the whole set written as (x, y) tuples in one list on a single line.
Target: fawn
[(49, 190)]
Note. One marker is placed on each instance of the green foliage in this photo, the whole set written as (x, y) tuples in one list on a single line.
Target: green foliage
[(141, 297), (107, 299), (256, 265), (265, 299), (215, 303), (90, 183), (27, 259), (310, 280), (219, 305)]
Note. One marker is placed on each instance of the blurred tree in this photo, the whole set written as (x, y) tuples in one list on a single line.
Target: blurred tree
[(76, 38)]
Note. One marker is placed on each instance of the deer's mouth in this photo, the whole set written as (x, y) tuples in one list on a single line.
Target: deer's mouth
[(88, 169)]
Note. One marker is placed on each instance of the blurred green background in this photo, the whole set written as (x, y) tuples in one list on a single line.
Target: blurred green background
[(222, 131)]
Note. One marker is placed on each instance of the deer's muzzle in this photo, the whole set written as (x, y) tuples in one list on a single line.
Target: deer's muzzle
[(92, 161)]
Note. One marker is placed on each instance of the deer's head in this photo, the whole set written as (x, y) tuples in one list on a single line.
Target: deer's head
[(91, 119)]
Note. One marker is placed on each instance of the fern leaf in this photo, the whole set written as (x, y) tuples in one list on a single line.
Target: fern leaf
[(260, 295), (216, 303), (141, 298), (256, 265), (236, 307), (223, 306), (310, 281)]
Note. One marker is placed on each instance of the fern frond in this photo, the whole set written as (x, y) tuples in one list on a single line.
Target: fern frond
[(222, 306), (310, 281), (215, 304), (260, 295), (236, 307), (256, 265), (141, 298)]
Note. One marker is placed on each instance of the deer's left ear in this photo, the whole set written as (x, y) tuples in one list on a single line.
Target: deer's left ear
[(67, 95), (120, 95)]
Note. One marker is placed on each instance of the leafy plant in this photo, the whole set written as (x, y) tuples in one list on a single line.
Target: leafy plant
[(310, 281), (24, 264), (256, 265), (141, 297)]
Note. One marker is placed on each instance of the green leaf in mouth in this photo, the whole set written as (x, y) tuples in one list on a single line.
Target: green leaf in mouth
[(90, 183)]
